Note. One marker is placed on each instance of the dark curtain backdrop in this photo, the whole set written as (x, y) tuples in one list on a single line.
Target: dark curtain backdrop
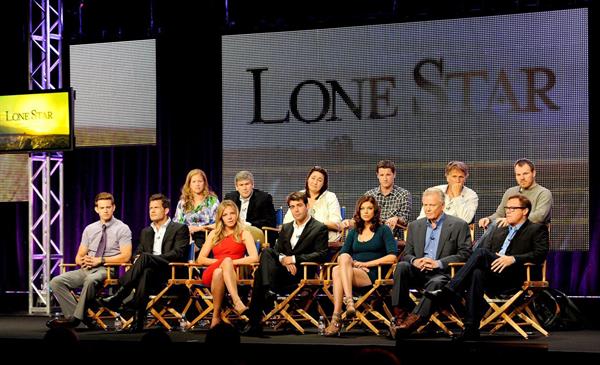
[(189, 136)]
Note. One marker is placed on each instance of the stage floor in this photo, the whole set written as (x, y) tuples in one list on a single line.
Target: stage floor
[(22, 332)]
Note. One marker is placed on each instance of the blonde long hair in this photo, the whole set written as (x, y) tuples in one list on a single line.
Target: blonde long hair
[(220, 227), (187, 196)]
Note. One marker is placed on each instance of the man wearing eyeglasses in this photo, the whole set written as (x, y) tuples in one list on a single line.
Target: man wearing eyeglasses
[(497, 264), (539, 196)]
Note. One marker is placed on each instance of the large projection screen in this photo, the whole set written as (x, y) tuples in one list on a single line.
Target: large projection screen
[(115, 85), (485, 90)]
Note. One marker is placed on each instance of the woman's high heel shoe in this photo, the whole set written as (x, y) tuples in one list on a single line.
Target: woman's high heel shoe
[(239, 307), (350, 310), (335, 326)]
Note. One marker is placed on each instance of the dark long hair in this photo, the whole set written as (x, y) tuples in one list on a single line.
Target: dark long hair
[(360, 223), (325, 180)]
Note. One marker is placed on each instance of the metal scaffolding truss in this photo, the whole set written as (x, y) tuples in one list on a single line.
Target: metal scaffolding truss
[(45, 169), (45, 44), (45, 227)]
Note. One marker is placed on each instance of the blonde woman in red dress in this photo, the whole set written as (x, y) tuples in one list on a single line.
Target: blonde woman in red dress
[(230, 245)]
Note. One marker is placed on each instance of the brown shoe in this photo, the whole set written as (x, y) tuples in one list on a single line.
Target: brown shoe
[(411, 323), (399, 316)]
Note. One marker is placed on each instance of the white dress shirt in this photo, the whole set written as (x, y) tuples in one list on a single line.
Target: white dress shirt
[(159, 234)]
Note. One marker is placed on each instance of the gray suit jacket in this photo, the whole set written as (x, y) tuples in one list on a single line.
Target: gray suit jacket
[(454, 245)]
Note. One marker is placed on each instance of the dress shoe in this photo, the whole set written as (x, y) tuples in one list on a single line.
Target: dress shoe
[(270, 296), (253, 330), (90, 323), (442, 297), (468, 334), (70, 322), (399, 315), (411, 323), (137, 325), (115, 301)]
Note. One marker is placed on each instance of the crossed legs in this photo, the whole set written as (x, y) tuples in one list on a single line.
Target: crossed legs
[(225, 277), (345, 277)]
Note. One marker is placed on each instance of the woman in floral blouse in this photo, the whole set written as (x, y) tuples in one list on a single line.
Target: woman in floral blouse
[(197, 206)]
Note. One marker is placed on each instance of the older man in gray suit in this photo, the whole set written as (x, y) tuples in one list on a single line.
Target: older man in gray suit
[(433, 242)]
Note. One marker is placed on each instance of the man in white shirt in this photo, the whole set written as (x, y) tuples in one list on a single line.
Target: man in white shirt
[(304, 239)]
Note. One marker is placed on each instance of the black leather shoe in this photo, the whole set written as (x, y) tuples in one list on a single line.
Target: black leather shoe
[(114, 302), (138, 323), (70, 322), (442, 297), (270, 296), (91, 324), (253, 330), (469, 334)]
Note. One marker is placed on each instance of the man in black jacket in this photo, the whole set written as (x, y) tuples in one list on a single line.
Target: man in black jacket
[(161, 243), (304, 239), (256, 207), (497, 263)]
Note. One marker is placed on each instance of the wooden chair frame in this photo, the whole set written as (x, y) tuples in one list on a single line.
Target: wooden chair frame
[(445, 317), (503, 311), (294, 307), (370, 303), (100, 315), (202, 299)]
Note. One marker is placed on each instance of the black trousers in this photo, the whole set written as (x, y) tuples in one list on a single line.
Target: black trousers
[(270, 275), (477, 278), (146, 275)]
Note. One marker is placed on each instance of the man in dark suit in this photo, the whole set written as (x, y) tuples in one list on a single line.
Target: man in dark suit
[(497, 263), (256, 207), (160, 244), (302, 240), (433, 242)]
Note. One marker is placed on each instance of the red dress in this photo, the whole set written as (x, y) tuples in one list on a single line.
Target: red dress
[(228, 247)]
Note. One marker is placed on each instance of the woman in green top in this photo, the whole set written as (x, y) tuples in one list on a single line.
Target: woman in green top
[(368, 245)]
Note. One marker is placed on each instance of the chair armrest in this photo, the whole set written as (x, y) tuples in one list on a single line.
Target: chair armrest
[(305, 265), (530, 265), (455, 266), (64, 267), (110, 265), (388, 274), (117, 264), (273, 229)]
